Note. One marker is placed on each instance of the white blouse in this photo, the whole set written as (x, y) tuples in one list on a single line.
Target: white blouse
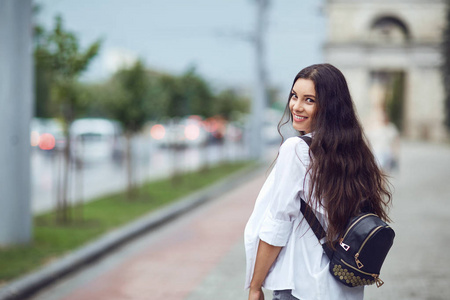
[(302, 265)]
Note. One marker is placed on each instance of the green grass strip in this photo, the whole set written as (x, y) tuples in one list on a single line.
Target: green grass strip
[(51, 240)]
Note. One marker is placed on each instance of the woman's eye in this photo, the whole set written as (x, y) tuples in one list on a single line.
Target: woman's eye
[(293, 96), (310, 100)]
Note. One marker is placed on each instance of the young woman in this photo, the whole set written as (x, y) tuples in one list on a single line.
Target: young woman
[(337, 176)]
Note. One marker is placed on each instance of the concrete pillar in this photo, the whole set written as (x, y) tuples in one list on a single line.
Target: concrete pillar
[(16, 93)]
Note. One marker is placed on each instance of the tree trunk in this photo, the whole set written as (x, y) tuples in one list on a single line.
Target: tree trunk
[(79, 180), (176, 171), (129, 165), (63, 213)]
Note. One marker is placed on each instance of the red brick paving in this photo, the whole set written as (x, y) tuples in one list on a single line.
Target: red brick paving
[(171, 267)]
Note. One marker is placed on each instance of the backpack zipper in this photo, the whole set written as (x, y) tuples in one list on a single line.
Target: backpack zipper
[(341, 240), (378, 280), (358, 262)]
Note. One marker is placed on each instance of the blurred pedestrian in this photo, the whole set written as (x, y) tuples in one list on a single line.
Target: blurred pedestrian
[(337, 176), (384, 139)]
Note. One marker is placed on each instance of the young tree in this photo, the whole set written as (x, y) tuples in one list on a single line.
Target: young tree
[(134, 99), (59, 54)]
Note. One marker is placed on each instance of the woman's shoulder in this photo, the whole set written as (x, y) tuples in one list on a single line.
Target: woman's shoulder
[(295, 145), (294, 142)]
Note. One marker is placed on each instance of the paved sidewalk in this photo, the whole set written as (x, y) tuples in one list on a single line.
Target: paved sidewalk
[(201, 256)]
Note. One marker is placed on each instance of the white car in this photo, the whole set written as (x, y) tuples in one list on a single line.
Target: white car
[(95, 140)]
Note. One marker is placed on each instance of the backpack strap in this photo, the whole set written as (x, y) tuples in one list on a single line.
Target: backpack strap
[(307, 139), (311, 218), (315, 225)]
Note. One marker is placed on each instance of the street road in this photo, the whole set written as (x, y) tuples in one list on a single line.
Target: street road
[(201, 256)]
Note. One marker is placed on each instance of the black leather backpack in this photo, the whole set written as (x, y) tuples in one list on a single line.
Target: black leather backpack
[(360, 251)]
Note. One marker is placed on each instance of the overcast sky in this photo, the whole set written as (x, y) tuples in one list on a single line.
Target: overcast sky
[(172, 35)]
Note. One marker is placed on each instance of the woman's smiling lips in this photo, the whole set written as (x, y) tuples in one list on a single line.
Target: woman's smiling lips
[(298, 118)]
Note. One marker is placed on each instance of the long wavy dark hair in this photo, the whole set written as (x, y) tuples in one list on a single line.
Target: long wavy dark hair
[(343, 170)]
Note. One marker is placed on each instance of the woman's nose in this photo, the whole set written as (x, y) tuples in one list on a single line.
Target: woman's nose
[(298, 106)]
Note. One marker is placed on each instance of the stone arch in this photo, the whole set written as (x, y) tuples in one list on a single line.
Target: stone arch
[(389, 29)]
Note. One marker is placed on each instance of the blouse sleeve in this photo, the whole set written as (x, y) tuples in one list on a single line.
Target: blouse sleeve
[(284, 208)]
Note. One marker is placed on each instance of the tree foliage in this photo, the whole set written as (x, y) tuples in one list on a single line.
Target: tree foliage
[(62, 55), (58, 64), (229, 104), (197, 94), (188, 94), (42, 73), (132, 104)]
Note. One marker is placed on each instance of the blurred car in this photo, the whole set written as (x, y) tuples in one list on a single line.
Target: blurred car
[(95, 140), (180, 133)]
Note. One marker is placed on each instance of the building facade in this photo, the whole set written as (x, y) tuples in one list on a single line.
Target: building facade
[(389, 51)]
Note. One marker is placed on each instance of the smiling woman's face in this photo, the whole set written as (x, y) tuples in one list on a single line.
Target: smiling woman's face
[(302, 104)]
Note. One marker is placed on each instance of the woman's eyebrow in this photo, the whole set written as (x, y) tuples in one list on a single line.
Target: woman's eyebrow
[(310, 96)]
